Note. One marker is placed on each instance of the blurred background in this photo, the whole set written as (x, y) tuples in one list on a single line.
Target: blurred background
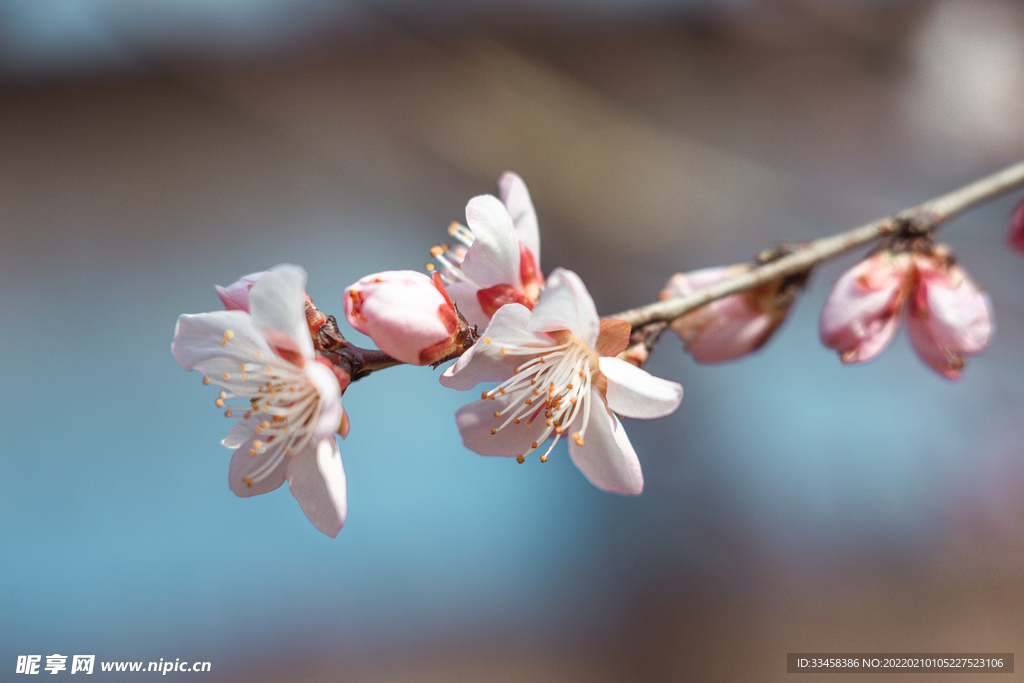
[(152, 149)]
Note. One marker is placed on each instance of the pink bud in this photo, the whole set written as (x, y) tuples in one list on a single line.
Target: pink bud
[(863, 310), (732, 326), (1015, 229), (236, 296), (408, 315), (949, 315)]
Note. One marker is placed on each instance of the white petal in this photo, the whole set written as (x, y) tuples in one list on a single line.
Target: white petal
[(200, 337), (514, 195), (476, 420), (244, 465), (633, 392), (243, 430), (606, 457), (317, 480), (326, 385), (484, 362), (494, 257), (565, 304), (463, 295), (277, 303)]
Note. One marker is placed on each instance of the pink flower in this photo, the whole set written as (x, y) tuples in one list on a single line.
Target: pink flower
[(948, 315), (499, 259), (863, 310), (559, 376), (236, 295), (729, 327), (287, 403), (407, 315), (1015, 229)]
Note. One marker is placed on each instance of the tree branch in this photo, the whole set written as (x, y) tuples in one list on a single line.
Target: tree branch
[(919, 219)]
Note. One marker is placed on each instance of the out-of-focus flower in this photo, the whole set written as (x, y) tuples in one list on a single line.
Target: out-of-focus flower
[(948, 315), (288, 403), (559, 376), (498, 260), (862, 312), (732, 326), (406, 313), (1015, 229)]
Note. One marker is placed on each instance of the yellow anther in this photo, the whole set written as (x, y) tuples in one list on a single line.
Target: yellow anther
[(247, 480), (223, 394), (493, 430), (497, 414), (548, 423), (501, 391), (257, 444), (568, 386), (429, 267), (580, 373), (485, 395), (503, 350), (244, 376), (226, 376), (515, 420), (228, 334), (572, 400), (280, 418), (487, 340), (248, 414), (534, 445), (544, 458), (548, 413), (520, 459), (577, 436), (253, 452), (579, 442), (558, 430), (530, 424), (206, 380), (228, 413), (532, 382), (528, 402), (219, 402), (515, 371)]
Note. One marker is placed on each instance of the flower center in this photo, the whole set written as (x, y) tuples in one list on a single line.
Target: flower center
[(281, 402), (553, 386)]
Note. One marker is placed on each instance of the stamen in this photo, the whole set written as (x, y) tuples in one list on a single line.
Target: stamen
[(520, 459)]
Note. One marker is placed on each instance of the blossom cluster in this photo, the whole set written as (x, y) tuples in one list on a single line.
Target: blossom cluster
[(552, 363), (552, 368)]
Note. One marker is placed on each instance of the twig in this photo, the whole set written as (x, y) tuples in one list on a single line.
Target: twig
[(918, 219)]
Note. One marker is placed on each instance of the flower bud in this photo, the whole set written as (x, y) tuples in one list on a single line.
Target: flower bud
[(408, 315), (863, 310), (732, 326), (1015, 229), (236, 296), (949, 315)]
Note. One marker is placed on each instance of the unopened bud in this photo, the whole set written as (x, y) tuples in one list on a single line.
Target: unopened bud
[(732, 326), (1015, 229), (949, 316), (406, 313), (862, 312)]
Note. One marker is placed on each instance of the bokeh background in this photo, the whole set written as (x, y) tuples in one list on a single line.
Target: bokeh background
[(150, 150)]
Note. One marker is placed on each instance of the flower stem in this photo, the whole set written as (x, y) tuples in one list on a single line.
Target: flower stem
[(919, 219)]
